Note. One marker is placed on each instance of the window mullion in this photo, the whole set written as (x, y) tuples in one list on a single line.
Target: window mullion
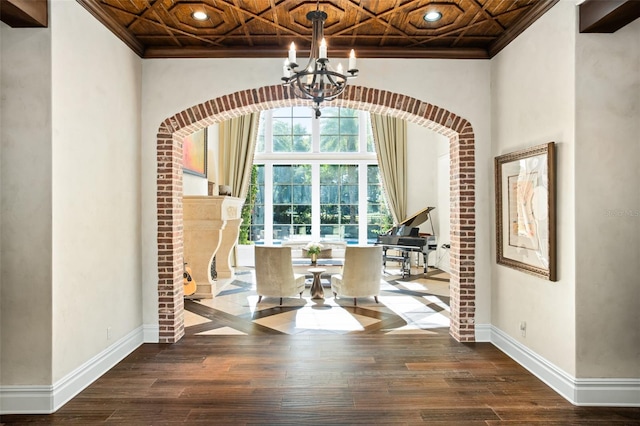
[(268, 203)]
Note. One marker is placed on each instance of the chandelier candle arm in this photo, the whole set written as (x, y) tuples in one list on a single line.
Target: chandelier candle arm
[(317, 81)]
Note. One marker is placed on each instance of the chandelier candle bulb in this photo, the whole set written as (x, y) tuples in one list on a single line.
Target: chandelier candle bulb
[(352, 60), (292, 53), (323, 50)]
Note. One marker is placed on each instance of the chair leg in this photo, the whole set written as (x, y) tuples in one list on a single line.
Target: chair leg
[(376, 299), (259, 299), (281, 301), (300, 295), (335, 295), (355, 302)]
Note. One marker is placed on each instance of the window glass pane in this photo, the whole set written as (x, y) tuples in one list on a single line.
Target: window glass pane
[(301, 174), (375, 195), (329, 194), (349, 174), (349, 126), (339, 129), (339, 201), (301, 194), (291, 200), (370, 145), (373, 174), (281, 232), (252, 227), (329, 173), (302, 126), (301, 112), (260, 195), (348, 112), (304, 230), (292, 128), (281, 126), (349, 194), (281, 112), (329, 213), (281, 174), (260, 140), (350, 233), (330, 231), (330, 112), (281, 214), (301, 143), (282, 194), (350, 143), (348, 213), (378, 216), (302, 214), (282, 143)]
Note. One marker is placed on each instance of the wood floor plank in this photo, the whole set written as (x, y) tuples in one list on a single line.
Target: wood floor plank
[(326, 379)]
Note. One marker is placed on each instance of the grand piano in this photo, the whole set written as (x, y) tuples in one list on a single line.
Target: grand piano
[(405, 238)]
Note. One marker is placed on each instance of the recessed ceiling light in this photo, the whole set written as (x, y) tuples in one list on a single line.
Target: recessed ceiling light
[(432, 16), (199, 15)]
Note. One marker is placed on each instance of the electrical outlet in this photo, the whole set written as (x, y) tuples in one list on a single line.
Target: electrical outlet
[(108, 333), (523, 328)]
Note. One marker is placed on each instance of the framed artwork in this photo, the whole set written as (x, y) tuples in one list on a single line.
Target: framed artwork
[(526, 210), (194, 153)]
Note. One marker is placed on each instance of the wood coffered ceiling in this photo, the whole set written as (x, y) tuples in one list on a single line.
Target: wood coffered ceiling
[(265, 28), (375, 28)]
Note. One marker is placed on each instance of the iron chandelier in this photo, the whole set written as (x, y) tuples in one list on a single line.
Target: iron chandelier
[(317, 80)]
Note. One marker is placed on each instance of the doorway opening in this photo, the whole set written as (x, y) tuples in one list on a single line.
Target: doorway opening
[(461, 180)]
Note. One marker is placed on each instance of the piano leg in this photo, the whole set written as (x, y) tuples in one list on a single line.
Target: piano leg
[(425, 256), (406, 264)]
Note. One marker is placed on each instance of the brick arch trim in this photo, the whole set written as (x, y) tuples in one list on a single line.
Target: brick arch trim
[(169, 189)]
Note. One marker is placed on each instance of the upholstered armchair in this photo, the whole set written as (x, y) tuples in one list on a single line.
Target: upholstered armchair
[(361, 274), (274, 273)]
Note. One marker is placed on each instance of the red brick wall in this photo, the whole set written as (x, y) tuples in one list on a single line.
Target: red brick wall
[(169, 186)]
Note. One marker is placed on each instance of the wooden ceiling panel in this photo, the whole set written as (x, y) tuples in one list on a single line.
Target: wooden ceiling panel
[(264, 28)]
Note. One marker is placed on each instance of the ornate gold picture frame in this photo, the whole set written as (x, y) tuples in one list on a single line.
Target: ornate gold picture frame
[(526, 210)]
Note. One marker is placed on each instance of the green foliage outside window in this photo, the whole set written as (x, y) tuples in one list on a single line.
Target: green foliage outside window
[(247, 208)]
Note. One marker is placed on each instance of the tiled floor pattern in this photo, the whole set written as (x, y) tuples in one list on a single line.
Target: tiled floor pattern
[(415, 305)]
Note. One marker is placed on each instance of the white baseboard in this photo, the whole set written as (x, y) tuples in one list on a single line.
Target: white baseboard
[(612, 392), (483, 332), (48, 399), (151, 333)]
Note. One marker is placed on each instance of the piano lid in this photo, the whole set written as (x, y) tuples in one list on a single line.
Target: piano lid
[(417, 219)]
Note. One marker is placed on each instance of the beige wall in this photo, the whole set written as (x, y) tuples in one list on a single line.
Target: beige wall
[(608, 203), (25, 149), (96, 187), (533, 102), (70, 195)]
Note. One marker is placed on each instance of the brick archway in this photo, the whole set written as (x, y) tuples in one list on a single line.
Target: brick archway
[(169, 189)]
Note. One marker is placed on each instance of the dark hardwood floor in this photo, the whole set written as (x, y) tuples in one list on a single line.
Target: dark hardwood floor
[(322, 379)]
